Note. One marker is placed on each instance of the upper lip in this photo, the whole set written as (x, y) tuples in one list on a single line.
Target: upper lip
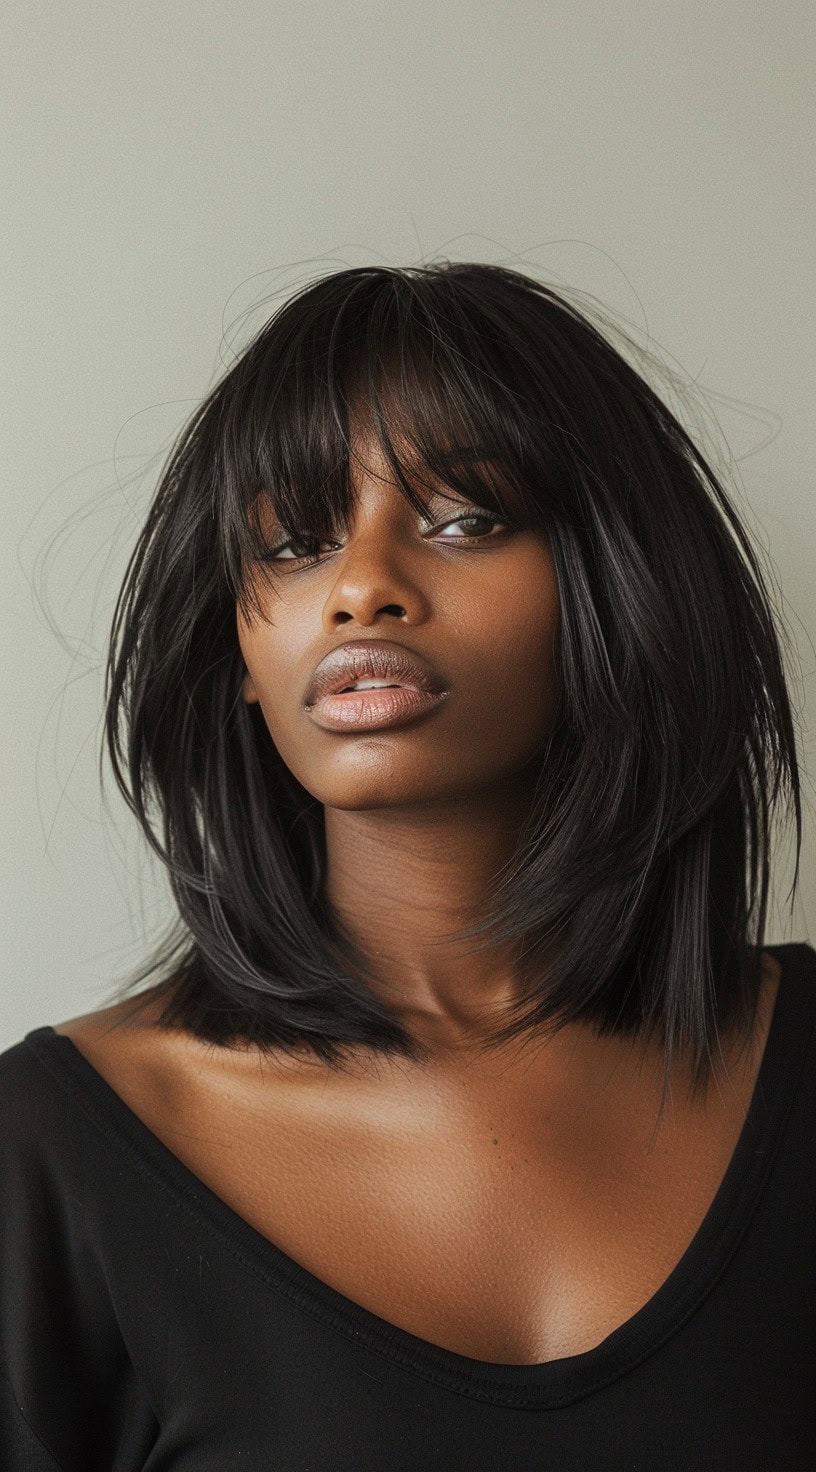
[(378, 659)]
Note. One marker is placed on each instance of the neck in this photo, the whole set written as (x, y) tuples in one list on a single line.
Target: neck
[(404, 881)]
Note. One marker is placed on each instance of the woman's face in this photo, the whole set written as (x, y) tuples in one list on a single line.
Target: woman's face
[(477, 602)]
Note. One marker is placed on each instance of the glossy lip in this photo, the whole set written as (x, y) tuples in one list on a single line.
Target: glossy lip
[(379, 659), (373, 710)]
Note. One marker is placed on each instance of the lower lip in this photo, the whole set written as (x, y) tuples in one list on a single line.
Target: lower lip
[(370, 710)]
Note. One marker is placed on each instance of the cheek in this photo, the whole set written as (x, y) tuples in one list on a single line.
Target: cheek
[(522, 632), (519, 623), (263, 652), (269, 682)]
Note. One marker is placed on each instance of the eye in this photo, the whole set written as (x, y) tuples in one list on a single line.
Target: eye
[(474, 517), (484, 518), (274, 555)]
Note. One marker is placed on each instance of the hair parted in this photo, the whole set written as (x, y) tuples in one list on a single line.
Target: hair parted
[(642, 872)]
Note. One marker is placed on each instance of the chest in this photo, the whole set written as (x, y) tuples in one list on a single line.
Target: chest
[(508, 1228)]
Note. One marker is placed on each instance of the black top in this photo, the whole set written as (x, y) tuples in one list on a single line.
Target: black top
[(144, 1324)]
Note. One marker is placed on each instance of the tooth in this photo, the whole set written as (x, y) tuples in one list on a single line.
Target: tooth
[(372, 684)]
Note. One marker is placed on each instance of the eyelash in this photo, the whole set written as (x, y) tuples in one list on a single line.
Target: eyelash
[(483, 516)]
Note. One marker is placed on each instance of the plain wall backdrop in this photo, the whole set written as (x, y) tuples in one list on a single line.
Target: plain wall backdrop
[(168, 166)]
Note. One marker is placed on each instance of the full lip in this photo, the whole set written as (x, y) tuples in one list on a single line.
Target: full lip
[(379, 659)]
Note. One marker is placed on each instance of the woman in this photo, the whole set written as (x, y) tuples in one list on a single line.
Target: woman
[(467, 1124)]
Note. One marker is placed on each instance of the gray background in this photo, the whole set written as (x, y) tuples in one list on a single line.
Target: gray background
[(171, 168)]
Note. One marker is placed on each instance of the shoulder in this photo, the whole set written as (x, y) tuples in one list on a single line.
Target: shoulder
[(125, 1017), (27, 1088), (50, 1120)]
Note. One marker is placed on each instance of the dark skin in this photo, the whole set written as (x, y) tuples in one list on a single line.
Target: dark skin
[(515, 1206), (418, 818)]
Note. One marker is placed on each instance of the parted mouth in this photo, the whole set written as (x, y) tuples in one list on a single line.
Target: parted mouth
[(371, 659)]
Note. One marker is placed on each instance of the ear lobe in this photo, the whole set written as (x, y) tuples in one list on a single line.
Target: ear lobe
[(248, 691)]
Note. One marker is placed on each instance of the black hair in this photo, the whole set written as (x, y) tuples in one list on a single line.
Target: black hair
[(641, 873)]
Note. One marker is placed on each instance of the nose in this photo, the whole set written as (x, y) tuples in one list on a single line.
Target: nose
[(367, 587), (375, 572)]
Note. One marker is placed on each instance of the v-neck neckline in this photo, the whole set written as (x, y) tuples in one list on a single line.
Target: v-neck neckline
[(553, 1382)]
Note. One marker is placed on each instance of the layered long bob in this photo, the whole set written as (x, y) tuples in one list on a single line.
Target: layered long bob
[(642, 872)]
